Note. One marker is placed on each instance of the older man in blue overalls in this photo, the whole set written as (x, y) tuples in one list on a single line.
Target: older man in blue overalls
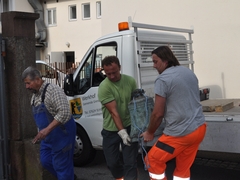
[(56, 126)]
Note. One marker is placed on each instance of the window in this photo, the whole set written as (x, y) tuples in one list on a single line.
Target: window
[(84, 77), (99, 10), (102, 51), (72, 12), (51, 17), (91, 74), (86, 11)]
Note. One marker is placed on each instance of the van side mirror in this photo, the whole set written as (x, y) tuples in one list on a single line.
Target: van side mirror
[(68, 85)]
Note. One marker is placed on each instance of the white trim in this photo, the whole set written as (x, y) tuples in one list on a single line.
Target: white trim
[(179, 178), (53, 14), (157, 176), (98, 10)]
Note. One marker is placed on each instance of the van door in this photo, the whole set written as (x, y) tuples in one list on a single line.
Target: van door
[(85, 106)]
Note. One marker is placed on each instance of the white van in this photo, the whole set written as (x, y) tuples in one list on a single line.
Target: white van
[(133, 48)]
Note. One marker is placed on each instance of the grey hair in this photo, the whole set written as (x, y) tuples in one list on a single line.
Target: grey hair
[(31, 72)]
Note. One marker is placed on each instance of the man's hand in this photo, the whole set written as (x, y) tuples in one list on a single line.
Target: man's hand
[(147, 136), (125, 137), (44, 132), (41, 135)]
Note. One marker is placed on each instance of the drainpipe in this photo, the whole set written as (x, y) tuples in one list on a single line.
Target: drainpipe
[(41, 27)]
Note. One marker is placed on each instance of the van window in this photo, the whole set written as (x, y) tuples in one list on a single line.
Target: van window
[(91, 73), (102, 51), (84, 75)]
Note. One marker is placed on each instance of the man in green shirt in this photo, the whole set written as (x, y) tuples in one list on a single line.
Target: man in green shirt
[(115, 93)]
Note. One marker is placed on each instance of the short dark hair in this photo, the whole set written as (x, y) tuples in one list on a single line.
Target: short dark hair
[(108, 60), (166, 54), (31, 72)]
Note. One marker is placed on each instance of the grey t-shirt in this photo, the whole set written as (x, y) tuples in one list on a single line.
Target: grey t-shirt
[(183, 110)]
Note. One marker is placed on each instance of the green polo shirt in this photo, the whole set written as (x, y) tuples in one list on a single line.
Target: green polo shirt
[(120, 92)]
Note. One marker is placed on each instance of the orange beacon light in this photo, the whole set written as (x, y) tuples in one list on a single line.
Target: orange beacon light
[(123, 26)]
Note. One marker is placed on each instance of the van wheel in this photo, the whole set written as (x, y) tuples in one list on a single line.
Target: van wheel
[(84, 153)]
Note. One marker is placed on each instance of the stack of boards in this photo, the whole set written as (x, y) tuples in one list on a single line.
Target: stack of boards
[(217, 105)]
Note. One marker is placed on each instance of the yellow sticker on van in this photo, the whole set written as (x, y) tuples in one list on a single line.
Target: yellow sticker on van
[(76, 108)]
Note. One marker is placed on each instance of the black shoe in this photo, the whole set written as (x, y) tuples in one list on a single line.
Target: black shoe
[(75, 177)]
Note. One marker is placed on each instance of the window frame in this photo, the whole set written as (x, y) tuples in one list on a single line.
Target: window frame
[(53, 13), (94, 58), (98, 10), (70, 8), (83, 11)]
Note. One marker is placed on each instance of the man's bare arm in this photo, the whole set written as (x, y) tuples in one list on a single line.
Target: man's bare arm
[(112, 108)]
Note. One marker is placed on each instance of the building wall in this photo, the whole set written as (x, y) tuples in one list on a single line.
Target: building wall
[(80, 34), (15, 5), (216, 35), (22, 5)]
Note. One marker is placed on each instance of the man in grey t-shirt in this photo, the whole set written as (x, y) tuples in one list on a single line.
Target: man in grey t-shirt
[(177, 101)]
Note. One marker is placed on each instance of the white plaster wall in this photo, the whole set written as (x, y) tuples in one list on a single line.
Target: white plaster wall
[(216, 35), (21, 5), (80, 33)]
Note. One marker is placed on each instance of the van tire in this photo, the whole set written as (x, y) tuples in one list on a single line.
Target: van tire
[(84, 153)]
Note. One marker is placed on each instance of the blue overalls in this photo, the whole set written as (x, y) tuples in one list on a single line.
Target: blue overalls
[(56, 151)]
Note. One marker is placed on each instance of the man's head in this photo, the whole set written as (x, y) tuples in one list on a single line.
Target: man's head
[(112, 67), (32, 79), (163, 58)]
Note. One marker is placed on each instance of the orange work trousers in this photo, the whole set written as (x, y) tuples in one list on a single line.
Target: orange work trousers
[(183, 148)]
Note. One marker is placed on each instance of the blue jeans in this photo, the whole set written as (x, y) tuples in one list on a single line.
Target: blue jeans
[(121, 164)]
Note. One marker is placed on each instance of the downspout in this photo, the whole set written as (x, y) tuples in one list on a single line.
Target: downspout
[(41, 27)]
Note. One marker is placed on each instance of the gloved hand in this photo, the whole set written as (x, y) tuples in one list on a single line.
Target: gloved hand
[(125, 137)]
